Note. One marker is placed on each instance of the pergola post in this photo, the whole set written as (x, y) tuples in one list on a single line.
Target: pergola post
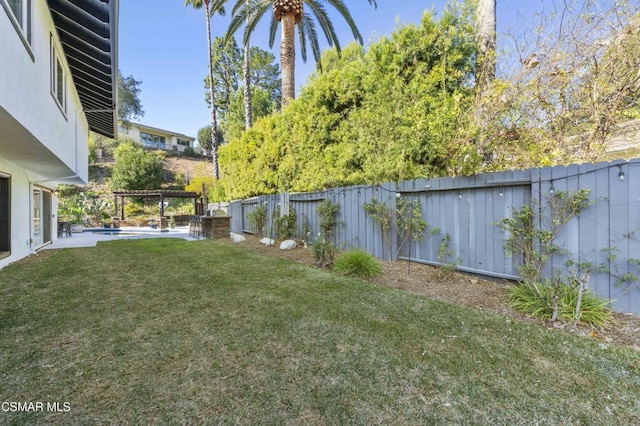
[(161, 204)]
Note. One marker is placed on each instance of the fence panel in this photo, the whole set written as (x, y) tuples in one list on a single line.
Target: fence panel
[(461, 214), (467, 210)]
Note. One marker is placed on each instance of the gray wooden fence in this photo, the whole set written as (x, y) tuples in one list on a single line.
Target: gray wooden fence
[(462, 214)]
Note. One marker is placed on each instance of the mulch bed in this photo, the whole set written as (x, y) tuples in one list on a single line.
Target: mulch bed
[(466, 290)]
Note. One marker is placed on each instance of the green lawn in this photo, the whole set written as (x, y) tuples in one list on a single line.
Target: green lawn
[(170, 331)]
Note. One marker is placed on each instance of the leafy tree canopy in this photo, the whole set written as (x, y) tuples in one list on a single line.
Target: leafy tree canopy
[(227, 75), (136, 168), (129, 105), (385, 114)]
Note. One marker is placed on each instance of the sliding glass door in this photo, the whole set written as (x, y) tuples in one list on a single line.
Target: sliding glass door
[(41, 213)]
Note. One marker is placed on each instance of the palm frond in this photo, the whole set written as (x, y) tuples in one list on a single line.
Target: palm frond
[(344, 11), (307, 31), (273, 29), (325, 23)]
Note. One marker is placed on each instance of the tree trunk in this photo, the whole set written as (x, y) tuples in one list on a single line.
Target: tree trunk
[(248, 119), (214, 122), (486, 33), (288, 57)]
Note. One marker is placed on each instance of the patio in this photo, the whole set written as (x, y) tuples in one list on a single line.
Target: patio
[(91, 236)]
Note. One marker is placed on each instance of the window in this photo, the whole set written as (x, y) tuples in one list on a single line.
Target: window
[(58, 79), (183, 142), (5, 215), (19, 12), (153, 141)]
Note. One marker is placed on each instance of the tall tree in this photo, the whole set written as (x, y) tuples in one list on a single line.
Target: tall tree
[(228, 78), (129, 105), (246, 69), (226, 65), (215, 6), (290, 13), (486, 34)]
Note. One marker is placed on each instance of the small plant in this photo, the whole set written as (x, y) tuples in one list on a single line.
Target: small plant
[(553, 299), (324, 252), (97, 208), (563, 297), (189, 152), (328, 212), (381, 214), (284, 225), (445, 254), (258, 219), (72, 206), (533, 246), (357, 263), (305, 232), (407, 219)]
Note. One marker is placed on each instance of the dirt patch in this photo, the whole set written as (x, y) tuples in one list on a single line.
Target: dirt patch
[(463, 290), (38, 256)]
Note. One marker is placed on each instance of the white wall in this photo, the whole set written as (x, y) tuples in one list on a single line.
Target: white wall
[(48, 144), (20, 212), (25, 90)]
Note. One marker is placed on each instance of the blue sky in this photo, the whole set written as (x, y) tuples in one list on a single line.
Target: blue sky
[(163, 43)]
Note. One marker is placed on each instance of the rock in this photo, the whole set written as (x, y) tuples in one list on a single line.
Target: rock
[(267, 241), (237, 238), (288, 245)]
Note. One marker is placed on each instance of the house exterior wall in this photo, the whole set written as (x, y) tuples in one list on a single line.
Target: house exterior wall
[(20, 203), (41, 144), (25, 96)]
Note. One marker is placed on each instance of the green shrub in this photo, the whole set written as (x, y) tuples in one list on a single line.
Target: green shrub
[(136, 168), (284, 227), (537, 299), (258, 219), (135, 209), (357, 263), (324, 251)]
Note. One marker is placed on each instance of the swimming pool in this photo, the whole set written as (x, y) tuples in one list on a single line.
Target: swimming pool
[(126, 232)]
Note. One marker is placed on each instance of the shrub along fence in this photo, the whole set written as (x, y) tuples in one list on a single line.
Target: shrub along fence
[(462, 214)]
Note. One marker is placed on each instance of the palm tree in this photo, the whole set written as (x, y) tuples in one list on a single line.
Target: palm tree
[(215, 6), (291, 13), (246, 70)]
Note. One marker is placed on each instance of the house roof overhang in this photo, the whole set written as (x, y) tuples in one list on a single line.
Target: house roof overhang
[(144, 127), (88, 31)]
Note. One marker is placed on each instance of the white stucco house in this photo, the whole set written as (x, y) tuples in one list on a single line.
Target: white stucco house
[(152, 137), (58, 80)]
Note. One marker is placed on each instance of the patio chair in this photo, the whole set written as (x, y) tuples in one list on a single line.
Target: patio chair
[(64, 229)]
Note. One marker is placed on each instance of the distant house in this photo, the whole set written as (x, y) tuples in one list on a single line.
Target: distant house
[(57, 82), (152, 137)]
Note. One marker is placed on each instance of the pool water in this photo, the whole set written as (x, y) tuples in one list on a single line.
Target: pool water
[(110, 231)]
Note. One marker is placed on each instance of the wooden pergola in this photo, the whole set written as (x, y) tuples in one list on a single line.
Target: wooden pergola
[(148, 193)]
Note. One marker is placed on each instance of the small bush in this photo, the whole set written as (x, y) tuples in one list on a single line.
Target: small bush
[(537, 299), (258, 219), (324, 251), (357, 263)]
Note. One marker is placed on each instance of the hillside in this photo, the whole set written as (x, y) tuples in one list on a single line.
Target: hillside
[(178, 170)]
